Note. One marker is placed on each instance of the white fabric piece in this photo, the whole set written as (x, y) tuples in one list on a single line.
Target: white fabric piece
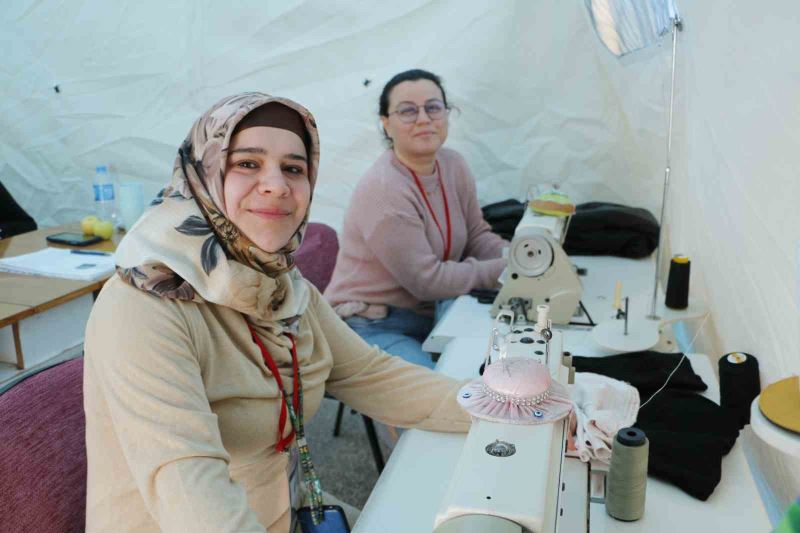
[(601, 407)]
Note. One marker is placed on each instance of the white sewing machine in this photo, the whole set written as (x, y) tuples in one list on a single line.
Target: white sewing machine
[(539, 271), (515, 478), (415, 486)]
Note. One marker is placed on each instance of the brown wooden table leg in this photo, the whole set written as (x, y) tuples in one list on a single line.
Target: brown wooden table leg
[(18, 346)]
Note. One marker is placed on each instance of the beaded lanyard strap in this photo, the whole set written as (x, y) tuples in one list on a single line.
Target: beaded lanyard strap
[(294, 407)]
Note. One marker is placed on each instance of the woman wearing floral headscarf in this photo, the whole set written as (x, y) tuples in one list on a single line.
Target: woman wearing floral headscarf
[(207, 351)]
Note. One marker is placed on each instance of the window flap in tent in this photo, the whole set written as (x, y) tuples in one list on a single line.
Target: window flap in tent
[(625, 26)]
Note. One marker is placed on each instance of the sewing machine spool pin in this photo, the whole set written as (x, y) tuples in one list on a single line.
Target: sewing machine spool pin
[(624, 315), (542, 318), (547, 335), (487, 359)]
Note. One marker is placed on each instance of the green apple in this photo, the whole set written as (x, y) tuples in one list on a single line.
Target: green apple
[(104, 228), (87, 224)]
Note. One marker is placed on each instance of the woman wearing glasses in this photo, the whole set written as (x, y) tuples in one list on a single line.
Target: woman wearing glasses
[(414, 233)]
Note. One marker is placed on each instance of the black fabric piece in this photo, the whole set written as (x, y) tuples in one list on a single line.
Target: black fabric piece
[(504, 216), (646, 370), (484, 296), (599, 228), (13, 219), (689, 435)]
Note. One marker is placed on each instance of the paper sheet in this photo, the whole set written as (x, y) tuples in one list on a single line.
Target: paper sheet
[(60, 263)]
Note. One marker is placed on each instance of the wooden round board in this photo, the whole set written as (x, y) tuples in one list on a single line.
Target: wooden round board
[(780, 403)]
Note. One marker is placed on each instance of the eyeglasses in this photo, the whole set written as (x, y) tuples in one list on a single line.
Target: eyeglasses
[(408, 112)]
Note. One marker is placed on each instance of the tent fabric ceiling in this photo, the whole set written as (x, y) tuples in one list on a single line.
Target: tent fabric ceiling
[(540, 101)]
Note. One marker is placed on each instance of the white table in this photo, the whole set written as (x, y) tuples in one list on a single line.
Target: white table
[(413, 484)]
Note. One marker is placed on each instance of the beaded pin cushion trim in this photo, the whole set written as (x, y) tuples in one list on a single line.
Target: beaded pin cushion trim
[(533, 400)]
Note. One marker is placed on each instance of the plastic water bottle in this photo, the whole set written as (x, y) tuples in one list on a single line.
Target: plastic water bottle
[(104, 197)]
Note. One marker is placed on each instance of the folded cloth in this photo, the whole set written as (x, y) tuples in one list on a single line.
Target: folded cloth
[(504, 216), (602, 406), (599, 228), (647, 370), (689, 434)]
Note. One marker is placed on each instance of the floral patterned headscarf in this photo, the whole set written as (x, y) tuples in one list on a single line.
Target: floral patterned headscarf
[(185, 247)]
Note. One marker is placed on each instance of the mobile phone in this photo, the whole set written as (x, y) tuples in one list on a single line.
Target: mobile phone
[(73, 239), (333, 520)]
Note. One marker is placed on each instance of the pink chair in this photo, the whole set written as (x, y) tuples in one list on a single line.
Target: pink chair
[(316, 259), (316, 256), (43, 453)]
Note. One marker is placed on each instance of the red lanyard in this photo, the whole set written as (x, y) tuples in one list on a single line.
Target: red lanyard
[(283, 442), (446, 209)]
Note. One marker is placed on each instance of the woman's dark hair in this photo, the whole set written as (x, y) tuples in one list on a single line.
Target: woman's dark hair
[(414, 74), (409, 75)]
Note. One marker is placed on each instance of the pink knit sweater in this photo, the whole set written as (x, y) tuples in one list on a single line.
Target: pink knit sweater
[(391, 249)]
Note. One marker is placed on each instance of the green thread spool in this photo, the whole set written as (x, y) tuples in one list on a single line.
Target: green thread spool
[(627, 475)]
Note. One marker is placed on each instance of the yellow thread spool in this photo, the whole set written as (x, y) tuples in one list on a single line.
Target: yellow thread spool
[(618, 295)]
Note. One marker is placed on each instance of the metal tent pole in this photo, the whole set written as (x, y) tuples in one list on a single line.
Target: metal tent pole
[(677, 25)]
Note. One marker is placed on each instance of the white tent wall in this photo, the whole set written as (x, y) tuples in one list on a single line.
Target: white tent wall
[(540, 101), (735, 189)]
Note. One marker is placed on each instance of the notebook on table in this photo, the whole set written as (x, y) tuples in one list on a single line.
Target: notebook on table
[(61, 263)]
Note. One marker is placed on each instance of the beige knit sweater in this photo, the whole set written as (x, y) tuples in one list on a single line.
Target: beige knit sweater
[(181, 411)]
